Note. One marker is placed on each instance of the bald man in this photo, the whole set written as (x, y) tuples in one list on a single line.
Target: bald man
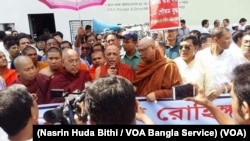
[(114, 65), (72, 79), (155, 75), (27, 75)]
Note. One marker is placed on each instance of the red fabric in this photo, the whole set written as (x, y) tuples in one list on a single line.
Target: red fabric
[(39, 86), (92, 72), (9, 76), (123, 70), (68, 82)]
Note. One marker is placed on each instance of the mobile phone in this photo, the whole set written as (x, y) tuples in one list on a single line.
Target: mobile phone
[(56, 93), (182, 91)]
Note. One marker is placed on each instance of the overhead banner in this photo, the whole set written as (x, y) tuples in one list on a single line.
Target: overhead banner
[(164, 14)]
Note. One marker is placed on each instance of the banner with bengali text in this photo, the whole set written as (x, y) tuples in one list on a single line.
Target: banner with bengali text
[(163, 111), (164, 14)]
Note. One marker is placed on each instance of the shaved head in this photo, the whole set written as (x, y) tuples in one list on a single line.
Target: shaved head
[(71, 61), (147, 49), (20, 61), (68, 52), (147, 41)]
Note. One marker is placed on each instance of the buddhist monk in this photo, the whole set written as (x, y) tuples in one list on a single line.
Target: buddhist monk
[(114, 65), (156, 74), (32, 53), (72, 79), (35, 82), (9, 75), (54, 61), (98, 59)]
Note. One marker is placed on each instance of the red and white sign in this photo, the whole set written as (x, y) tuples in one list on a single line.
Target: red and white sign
[(164, 14)]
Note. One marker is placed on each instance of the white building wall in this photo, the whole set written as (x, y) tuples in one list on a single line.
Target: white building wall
[(16, 11)]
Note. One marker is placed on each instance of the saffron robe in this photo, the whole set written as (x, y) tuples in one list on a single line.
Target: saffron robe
[(157, 77), (68, 82), (9, 76), (92, 72), (123, 70), (39, 86)]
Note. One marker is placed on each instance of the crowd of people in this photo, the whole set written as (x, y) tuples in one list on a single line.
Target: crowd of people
[(117, 67)]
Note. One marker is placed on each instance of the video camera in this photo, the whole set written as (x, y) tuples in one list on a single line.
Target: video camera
[(64, 114)]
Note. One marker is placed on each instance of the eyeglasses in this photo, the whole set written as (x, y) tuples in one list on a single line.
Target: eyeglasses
[(33, 96), (185, 47), (143, 50)]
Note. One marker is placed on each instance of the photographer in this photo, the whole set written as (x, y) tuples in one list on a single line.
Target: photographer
[(111, 100)]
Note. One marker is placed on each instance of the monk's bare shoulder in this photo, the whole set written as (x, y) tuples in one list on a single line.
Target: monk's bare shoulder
[(45, 71)]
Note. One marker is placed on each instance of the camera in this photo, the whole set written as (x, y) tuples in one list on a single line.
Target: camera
[(64, 113)]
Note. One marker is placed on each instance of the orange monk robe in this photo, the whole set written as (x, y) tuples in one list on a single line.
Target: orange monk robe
[(123, 70), (157, 77), (92, 72), (9, 76), (41, 65), (83, 66)]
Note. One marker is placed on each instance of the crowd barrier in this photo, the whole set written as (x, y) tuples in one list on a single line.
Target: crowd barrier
[(166, 111)]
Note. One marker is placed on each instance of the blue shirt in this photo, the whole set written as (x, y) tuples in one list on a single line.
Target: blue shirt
[(173, 52)]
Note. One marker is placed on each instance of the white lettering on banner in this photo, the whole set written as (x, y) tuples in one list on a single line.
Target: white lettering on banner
[(170, 112)]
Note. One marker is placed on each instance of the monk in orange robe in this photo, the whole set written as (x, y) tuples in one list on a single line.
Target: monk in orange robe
[(8, 75), (98, 59), (32, 53), (155, 75), (114, 65)]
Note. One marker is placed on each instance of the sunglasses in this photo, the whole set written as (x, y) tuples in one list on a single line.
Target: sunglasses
[(185, 47)]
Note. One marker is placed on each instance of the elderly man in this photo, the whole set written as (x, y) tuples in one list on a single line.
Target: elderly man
[(155, 75), (27, 75), (114, 65), (72, 79), (18, 112)]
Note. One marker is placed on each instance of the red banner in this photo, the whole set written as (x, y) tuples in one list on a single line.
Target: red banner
[(164, 14)]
